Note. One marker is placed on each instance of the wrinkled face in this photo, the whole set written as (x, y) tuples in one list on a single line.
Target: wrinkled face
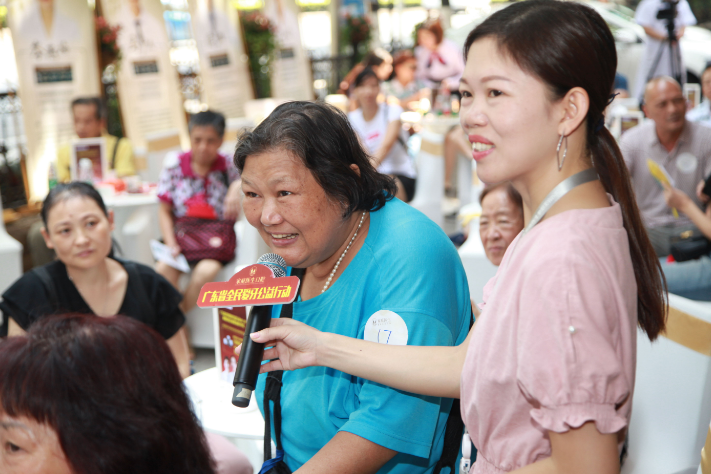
[(86, 125), (501, 221), (706, 83), (426, 39), (205, 144), (665, 104), (79, 232), (291, 211), (506, 115), (367, 92), (405, 71), (29, 447)]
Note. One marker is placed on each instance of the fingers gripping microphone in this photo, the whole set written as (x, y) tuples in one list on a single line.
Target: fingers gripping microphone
[(251, 356)]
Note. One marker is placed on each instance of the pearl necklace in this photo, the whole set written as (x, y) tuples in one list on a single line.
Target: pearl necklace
[(330, 277)]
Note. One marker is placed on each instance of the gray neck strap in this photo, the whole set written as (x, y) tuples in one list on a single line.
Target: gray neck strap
[(558, 192)]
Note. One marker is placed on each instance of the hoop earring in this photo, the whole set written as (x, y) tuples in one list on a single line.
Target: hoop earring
[(565, 152)]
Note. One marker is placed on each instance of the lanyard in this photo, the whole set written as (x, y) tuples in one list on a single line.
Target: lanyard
[(563, 188)]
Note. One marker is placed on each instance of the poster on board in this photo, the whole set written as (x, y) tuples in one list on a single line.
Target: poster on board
[(291, 73), (55, 50), (148, 85), (224, 67)]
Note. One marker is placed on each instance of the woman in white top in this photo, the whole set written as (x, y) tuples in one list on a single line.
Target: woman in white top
[(379, 128)]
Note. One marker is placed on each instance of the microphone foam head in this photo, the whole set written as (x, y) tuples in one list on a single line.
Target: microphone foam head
[(275, 262)]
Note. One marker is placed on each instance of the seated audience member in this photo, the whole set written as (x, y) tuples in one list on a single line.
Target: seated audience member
[(89, 116), (681, 147), (115, 406), (692, 278), (202, 183), (440, 62), (621, 87), (380, 131), (90, 122), (702, 112), (403, 87), (86, 278), (501, 219)]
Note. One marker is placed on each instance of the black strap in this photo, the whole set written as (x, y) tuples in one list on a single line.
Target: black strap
[(136, 287), (113, 156), (48, 283), (453, 433), (272, 389)]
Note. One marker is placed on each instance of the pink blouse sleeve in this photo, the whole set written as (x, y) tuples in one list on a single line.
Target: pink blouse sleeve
[(571, 357)]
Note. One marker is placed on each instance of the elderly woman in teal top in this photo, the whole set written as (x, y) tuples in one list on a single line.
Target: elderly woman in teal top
[(375, 269)]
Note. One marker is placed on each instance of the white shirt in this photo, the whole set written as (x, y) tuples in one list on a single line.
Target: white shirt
[(701, 113), (372, 132), (646, 15)]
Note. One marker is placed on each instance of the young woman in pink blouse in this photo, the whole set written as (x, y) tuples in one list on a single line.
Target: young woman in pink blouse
[(546, 377)]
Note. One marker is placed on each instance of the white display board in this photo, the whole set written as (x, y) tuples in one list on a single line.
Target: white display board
[(224, 66), (149, 91), (55, 50), (291, 71)]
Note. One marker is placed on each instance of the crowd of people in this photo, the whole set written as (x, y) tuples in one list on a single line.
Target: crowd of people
[(372, 363)]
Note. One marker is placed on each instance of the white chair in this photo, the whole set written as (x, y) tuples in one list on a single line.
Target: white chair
[(137, 232), (10, 258), (671, 408), (158, 144), (429, 187)]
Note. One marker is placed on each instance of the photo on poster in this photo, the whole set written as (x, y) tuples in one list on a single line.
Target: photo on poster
[(93, 149)]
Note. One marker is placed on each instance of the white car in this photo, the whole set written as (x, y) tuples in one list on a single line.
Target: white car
[(629, 38)]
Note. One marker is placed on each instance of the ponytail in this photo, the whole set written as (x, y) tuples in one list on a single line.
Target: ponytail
[(651, 285)]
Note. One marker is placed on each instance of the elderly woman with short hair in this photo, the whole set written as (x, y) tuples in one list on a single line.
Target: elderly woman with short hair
[(373, 268)]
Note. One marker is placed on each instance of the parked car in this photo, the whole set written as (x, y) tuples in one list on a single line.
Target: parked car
[(629, 38)]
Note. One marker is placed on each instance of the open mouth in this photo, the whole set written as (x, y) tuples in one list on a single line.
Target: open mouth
[(478, 146)]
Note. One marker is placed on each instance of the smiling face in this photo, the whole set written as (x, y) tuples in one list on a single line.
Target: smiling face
[(79, 231), (29, 447), (506, 114), (291, 211), (501, 221)]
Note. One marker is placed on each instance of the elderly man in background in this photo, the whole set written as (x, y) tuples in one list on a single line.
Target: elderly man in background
[(90, 122), (89, 116), (680, 147), (702, 112)]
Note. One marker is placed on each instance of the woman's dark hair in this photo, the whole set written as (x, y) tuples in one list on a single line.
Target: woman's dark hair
[(513, 195), (110, 389), (567, 45), (434, 26), (363, 75), (65, 191), (372, 60), (321, 136), (208, 118)]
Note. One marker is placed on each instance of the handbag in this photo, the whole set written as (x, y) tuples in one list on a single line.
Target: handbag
[(201, 239), (206, 238), (690, 245)]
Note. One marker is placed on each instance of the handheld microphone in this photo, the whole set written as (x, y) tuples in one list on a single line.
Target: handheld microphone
[(250, 359)]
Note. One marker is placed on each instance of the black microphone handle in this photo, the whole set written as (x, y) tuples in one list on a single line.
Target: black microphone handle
[(251, 356)]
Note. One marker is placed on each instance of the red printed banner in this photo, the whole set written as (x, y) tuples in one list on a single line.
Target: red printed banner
[(254, 285), (232, 322)]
